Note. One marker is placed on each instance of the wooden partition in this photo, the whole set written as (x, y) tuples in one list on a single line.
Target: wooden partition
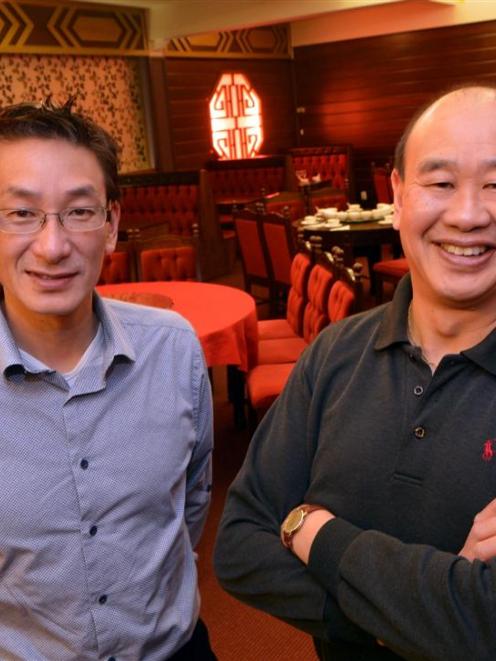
[(162, 208), (364, 91)]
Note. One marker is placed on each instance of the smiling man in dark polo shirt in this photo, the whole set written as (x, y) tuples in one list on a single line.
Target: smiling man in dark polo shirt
[(353, 515)]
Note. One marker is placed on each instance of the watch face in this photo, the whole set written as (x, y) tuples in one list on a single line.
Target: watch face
[(293, 521)]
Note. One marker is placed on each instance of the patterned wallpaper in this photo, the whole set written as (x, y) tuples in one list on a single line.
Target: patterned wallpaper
[(108, 89)]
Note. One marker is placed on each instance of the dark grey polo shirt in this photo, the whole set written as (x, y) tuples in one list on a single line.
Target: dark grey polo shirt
[(405, 459)]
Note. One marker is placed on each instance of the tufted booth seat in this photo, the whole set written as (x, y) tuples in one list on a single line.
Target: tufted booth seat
[(174, 205), (332, 163), (174, 263), (116, 268), (245, 184), (291, 203)]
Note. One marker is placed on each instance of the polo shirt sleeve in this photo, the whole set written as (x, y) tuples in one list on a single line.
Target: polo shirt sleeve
[(250, 560), (420, 602)]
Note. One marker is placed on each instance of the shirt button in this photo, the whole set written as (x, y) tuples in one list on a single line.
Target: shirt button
[(418, 390), (102, 599), (93, 530), (84, 464), (419, 432)]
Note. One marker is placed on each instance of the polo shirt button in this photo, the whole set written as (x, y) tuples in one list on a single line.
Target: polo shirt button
[(419, 432), (102, 599), (418, 390), (93, 530), (84, 464)]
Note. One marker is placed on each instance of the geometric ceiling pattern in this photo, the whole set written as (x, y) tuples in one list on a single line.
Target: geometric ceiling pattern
[(76, 28), (267, 42)]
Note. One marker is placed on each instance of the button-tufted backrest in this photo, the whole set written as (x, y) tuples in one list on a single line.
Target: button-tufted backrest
[(297, 297), (251, 181), (331, 163), (116, 268), (176, 205), (173, 263), (341, 301), (316, 314)]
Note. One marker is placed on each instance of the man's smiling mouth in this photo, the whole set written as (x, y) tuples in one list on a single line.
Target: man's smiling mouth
[(465, 251)]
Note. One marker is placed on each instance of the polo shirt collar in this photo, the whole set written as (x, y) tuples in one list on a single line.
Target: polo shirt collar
[(117, 343), (393, 329)]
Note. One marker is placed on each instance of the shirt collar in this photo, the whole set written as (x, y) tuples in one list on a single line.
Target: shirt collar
[(393, 329), (117, 343)]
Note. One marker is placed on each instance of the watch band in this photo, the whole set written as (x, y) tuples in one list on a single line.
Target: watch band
[(294, 521)]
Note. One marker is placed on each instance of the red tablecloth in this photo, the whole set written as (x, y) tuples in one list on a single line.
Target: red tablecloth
[(224, 318)]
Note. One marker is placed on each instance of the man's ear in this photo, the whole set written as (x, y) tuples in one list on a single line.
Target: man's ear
[(112, 226), (398, 184)]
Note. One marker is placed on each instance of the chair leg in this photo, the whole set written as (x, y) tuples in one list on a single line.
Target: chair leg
[(236, 395)]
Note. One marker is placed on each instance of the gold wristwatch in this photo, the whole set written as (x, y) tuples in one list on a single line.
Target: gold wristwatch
[(294, 521)]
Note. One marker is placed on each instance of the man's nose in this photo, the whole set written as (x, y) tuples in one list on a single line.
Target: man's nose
[(52, 242), (468, 209)]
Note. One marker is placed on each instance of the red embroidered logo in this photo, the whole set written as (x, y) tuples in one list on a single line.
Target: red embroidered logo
[(488, 450)]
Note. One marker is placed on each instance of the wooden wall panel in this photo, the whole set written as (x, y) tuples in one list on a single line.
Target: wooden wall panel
[(364, 91), (189, 84)]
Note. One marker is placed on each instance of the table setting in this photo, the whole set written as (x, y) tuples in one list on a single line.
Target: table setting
[(332, 219)]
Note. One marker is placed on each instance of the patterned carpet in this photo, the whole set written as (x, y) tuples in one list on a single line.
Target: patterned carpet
[(238, 632)]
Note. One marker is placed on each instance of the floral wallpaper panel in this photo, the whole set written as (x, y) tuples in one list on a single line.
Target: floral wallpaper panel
[(108, 89)]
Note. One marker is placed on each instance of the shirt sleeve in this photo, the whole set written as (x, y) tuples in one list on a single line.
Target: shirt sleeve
[(421, 602), (199, 473), (250, 561)]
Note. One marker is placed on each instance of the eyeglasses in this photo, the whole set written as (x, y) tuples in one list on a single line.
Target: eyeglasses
[(74, 219)]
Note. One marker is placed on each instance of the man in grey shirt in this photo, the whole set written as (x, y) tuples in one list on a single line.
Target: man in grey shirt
[(105, 448)]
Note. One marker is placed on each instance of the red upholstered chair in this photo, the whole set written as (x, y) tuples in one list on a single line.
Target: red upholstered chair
[(337, 292), (315, 318), (172, 263), (253, 259), (388, 270), (116, 268), (292, 325), (381, 177), (279, 249)]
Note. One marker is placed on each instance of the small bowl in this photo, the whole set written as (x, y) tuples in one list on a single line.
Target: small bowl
[(366, 215), (377, 214), (355, 215), (330, 212), (342, 215)]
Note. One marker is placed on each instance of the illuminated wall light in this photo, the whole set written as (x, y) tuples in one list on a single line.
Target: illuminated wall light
[(236, 118)]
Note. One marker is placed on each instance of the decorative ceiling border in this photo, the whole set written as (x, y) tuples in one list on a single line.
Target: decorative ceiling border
[(265, 42), (60, 27)]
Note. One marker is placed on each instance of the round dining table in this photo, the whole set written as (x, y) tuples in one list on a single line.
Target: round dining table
[(224, 318), (355, 238)]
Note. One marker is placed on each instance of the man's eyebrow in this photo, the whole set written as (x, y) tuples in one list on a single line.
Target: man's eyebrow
[(433, 164), (21, 191)]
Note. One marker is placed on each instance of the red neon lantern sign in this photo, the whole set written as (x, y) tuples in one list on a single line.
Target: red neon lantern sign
[(236, 118)]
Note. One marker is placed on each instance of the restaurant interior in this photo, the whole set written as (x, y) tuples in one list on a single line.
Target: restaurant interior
[(257, 143)]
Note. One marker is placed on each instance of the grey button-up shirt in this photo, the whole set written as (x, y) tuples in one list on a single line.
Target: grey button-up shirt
[(104, 492)]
